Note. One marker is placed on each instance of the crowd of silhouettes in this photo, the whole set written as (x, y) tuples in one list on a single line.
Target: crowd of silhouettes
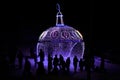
[(56, 64)]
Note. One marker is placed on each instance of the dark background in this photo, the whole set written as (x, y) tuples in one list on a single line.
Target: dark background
[(23, 22)]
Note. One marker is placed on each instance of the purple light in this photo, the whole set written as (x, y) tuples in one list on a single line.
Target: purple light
[(61, 39), (54, 34)]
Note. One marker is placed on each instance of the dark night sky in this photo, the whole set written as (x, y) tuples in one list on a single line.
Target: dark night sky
[(25, 21)]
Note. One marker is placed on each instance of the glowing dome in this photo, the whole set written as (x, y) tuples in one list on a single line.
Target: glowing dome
[(64, 33), (61, 39)]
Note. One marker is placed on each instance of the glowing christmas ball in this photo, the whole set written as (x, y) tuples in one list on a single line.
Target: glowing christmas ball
[(61, 39)]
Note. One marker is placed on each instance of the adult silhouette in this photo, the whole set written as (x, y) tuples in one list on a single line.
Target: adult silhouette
[(33, 55), (75, 61), (102, 65), (81, 64), (42, 55), (61, 61), (27, 69), (49, 63), (41, 69), (55, 63), (68, 64)]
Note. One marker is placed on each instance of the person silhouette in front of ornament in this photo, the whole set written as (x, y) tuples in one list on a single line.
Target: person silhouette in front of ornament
[(55, 63), (49, 63), (75, 62), (81, 64), (42, 55), (68, 64)]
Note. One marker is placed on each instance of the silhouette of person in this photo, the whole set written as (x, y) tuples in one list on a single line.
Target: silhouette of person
[(81, 64), (33, 55), (68, 64), (64, 67), (49, 63), (88, 66), (27, 68), (42, 55), (13, 52), (55, 63), (88, 70), (75, 61), (61, 59), (20, 58), (41, 69), (102, 63)]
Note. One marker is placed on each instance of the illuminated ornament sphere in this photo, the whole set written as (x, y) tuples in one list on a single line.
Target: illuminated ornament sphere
[(61, 39)]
